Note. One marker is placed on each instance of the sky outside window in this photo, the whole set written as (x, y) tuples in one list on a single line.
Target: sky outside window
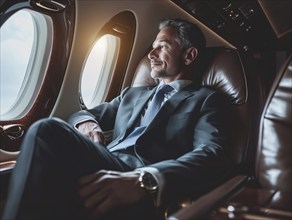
[(16, 42)]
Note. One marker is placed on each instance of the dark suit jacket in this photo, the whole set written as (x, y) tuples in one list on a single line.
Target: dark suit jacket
[(187, 141)]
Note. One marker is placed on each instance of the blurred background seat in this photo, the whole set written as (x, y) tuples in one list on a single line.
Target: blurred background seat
[(268, 193)]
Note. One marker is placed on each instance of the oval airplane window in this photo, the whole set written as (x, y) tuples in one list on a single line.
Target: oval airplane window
[(25, 48), (98, 70), (30, 93)]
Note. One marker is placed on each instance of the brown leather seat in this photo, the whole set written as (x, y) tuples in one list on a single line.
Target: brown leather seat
[(269, 193), (225, 69), (274, 158)]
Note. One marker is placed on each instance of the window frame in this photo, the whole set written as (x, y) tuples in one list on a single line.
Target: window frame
[(36, 68), (123, 26), (63, 20)]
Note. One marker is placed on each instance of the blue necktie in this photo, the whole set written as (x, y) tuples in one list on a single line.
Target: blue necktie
[(150, 112), (155, 104)]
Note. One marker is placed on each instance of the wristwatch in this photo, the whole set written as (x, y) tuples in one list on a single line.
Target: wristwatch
[(148, 182)]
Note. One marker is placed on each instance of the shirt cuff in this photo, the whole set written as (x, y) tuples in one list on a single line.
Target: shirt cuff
[(159, 179), (84, 120)]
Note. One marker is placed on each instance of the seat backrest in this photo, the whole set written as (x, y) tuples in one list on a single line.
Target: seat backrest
[(274, 153), (228, 71), (224, 70)]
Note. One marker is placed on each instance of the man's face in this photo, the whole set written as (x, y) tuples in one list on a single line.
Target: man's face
[(166, 57)]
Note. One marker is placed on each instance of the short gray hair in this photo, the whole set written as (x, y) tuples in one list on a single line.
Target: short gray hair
[(188, 34)]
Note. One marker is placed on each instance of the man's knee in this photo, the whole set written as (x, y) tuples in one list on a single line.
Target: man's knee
[(48, 130), (48, 125)]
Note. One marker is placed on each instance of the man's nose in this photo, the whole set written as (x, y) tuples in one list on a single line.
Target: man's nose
[(152, 54)]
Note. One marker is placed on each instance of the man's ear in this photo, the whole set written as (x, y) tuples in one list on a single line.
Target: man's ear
[(190, 55)]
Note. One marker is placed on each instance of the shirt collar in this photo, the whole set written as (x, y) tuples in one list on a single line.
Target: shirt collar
[(177, 85)]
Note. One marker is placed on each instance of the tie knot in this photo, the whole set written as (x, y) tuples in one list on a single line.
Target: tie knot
[(164, 89)]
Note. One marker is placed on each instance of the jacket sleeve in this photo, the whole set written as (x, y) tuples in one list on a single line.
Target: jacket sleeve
[(104, 114), (208, 162)]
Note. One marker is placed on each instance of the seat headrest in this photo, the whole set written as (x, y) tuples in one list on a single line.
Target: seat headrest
[(223, 71)]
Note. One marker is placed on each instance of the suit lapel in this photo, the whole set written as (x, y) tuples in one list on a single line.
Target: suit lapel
[(170, 106), (139, 107), (167, 109)]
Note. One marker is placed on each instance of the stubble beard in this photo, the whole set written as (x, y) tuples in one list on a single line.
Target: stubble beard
[(157, 74), (162, 75)]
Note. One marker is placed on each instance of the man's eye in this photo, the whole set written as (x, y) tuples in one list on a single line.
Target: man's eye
[(164, 46)]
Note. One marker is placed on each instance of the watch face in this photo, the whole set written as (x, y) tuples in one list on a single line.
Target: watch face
[(149, 182)]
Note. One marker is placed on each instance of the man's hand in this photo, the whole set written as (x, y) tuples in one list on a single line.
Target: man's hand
[(92, 130), (105, 190)]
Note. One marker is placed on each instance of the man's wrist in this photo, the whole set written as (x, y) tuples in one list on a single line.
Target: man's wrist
[(148, 182), (160, 180)]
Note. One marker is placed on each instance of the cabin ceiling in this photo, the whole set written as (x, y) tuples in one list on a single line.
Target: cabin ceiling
[(279, 15), (256, 25)]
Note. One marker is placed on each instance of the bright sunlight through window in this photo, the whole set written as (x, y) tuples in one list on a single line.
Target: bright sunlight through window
[(98, 70)]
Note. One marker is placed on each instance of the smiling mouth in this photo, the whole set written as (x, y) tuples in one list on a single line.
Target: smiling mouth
[(155, 64)]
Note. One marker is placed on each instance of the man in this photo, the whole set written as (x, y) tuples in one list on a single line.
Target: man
[(66, 172)]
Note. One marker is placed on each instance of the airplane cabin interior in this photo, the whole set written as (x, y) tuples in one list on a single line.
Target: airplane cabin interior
[(248, 58)]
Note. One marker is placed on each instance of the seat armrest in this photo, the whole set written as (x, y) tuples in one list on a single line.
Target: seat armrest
[(207, 202), (7, 160)]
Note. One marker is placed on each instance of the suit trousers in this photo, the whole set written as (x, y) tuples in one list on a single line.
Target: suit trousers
[(44, 183)]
